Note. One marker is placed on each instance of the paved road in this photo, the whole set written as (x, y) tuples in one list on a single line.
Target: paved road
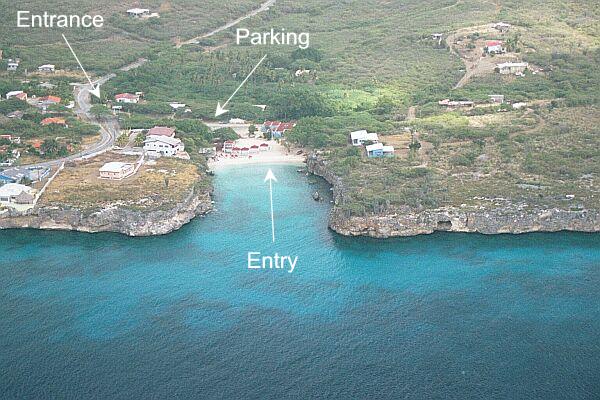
[(264, 7), (109, 127)]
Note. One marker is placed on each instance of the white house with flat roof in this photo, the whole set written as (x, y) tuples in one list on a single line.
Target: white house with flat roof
[(379, 150), (47, 68), (501, 26), (512, 68), (12, 65), (19, 94), (359, 138), (138, 12), (15, 193), (159, 146), (116, 170)]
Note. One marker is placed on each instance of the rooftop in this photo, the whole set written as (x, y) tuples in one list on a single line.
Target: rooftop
[(161, 131), (114, 166), (13, 189)]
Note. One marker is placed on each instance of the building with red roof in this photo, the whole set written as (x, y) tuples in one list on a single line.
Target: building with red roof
[(494, 47), (48, 101), (283, 127), (162, 131), (54, 121), (127, 98)]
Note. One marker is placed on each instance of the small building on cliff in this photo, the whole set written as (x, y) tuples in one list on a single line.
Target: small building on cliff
[(362, 137), (116, 170), (15, 193), (378, 150)]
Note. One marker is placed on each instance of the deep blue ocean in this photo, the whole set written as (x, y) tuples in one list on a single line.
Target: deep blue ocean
[(444, 316)]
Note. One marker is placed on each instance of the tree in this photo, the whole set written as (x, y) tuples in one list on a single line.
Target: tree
[(99, 111), (50, 147), (122, 140), (251, 130), (295, 103)]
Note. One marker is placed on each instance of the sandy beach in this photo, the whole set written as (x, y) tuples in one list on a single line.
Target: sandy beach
[(277, 154)]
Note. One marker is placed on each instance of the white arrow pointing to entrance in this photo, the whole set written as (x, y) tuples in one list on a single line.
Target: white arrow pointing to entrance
[(270, 177), (95, 90), (221, 109)]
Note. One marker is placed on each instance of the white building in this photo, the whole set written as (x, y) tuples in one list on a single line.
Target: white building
[(12, 65), (496, 98), (15, 193), (158, 146), (358, 138), (177, 106), (46, 68), (138, 12), (494, 47), (116, 170), (127, 98), (501, 26), (516, 68), (19, 94), (379, 150), (301, 72)]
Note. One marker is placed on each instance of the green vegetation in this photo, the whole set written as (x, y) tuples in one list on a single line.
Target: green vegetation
[(122, 40), (371, 65)]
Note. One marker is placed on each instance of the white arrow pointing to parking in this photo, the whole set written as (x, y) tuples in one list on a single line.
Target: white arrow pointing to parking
[(221, 109)]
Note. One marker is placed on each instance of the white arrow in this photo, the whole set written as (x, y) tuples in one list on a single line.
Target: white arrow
[(261, 106), (95, 90), (221, 109), (270, 177)]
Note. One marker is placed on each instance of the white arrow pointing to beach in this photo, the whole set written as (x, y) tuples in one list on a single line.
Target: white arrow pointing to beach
[(261, 106), (221, 109), (270, 177), (95, 90)]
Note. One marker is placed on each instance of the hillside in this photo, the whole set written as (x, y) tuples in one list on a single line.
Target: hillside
[(122, 39), (383, 66)]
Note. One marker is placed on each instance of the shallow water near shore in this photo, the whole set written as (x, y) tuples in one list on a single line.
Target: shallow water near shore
[(181, 316)]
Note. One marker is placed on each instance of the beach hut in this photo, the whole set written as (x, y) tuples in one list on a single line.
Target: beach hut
[(254, 149), (244, 151), (235, 151), (264, 147)]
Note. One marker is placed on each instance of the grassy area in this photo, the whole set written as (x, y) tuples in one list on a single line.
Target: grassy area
[(154, 187), (545, 157), (370, 62), (121, 40)]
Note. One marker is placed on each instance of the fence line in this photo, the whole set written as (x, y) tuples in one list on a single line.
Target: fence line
[(43, 189)]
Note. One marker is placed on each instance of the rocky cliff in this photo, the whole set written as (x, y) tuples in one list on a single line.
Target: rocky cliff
[(113, 219), (493, 219)]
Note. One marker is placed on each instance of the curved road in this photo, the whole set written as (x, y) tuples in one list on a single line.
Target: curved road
[(109, 127)]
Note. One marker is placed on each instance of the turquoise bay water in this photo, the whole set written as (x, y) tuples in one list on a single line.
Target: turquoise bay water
[(180, 316)]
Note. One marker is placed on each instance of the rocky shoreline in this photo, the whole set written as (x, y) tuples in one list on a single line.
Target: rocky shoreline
[(408, 222), (112, 219)]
